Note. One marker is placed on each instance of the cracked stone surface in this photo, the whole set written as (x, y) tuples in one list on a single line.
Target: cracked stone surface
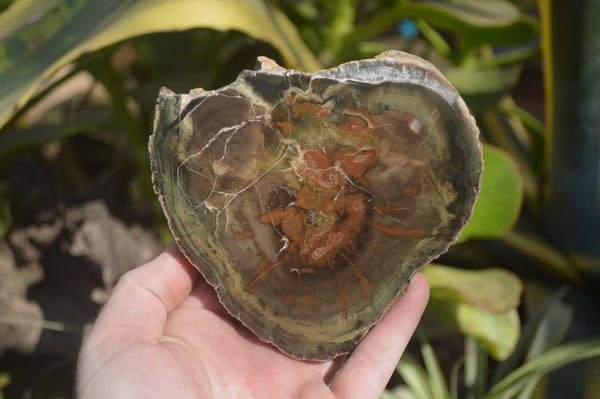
[(309, 201)]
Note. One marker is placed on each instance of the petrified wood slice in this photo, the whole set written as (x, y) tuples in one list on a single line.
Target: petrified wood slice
[(309, 201)]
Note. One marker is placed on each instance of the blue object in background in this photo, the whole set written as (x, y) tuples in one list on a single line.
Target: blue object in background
[(407, 28)]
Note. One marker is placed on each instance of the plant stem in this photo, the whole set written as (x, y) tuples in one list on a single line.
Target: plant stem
[(536, 248), (475, 368), (437, 41)]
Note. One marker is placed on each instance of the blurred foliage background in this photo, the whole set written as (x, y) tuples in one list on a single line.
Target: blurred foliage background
[(514, 300)]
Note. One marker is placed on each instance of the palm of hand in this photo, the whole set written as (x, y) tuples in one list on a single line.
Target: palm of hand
[(163, 333)]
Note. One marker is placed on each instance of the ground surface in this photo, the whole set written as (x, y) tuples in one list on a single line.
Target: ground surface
[(73, 235)]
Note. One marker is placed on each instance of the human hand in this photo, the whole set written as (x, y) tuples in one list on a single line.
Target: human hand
[(163, 333)]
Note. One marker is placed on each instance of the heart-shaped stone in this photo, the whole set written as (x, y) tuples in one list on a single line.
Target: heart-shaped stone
[(309, 200)]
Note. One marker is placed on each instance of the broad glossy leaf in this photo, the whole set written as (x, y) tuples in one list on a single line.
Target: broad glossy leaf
[(39, 37), (23, 13), (493, 289), (498, 333), (479, 303), (500, 199)]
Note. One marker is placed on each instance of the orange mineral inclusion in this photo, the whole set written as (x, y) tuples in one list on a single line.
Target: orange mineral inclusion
[(327, 214)]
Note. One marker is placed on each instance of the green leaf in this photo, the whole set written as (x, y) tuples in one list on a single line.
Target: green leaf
[(491, 21), (548, 361), (400, 392), (494, 290), (500, 198), (414, 377), (420, 383), (551, 330), (544, 252), (4, 382), (23, 13), (15, 142), (386, 394), (476, 368), (437, 383), (472, 13), (483, 87), (39, 37), (535, 131), (5, 210), (496, 332), (552, 308), (479, 303)]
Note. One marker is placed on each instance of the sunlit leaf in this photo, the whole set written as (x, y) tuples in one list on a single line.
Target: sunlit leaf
[(39, 37), (500, 199), (495, 290), (479, 303)]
